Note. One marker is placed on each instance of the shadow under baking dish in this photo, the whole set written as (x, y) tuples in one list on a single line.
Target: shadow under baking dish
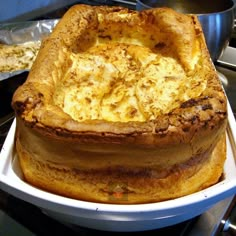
[(112, 217)]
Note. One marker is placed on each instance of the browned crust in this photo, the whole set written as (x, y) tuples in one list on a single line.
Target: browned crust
[(203, 115), (135, 185), (167, 155)]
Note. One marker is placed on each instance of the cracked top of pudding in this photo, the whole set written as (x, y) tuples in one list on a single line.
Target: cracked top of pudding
[(110, 71)]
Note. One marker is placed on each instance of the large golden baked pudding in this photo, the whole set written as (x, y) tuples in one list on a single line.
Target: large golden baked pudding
[(122, 107)]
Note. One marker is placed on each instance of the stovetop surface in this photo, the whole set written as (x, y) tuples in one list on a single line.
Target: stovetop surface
[(21, 218)]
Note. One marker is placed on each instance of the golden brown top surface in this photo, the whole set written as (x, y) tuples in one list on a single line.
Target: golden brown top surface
[(124, 82), (110, 69), (130, 72)]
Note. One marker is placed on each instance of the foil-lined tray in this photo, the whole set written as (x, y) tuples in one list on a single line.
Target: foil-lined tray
[(22, 32)]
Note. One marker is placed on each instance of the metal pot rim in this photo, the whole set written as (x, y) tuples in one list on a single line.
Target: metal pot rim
[(200, 14)]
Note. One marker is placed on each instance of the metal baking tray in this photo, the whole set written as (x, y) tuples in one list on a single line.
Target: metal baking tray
[(23, 32)]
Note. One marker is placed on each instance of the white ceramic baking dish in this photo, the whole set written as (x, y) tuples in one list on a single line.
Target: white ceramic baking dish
[(118, 217)]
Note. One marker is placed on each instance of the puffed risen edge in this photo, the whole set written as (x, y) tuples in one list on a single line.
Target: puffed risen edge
[(196, 118)]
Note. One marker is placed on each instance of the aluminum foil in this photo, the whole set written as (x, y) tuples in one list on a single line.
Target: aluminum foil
[(22, 32)]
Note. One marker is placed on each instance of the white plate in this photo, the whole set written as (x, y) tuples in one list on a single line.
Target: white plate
[(113, 217)]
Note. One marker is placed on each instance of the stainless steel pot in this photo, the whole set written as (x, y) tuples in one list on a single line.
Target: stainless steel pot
[(215, 17)]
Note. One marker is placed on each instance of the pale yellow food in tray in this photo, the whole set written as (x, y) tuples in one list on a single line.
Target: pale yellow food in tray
[(122, 103), (18, 56)]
